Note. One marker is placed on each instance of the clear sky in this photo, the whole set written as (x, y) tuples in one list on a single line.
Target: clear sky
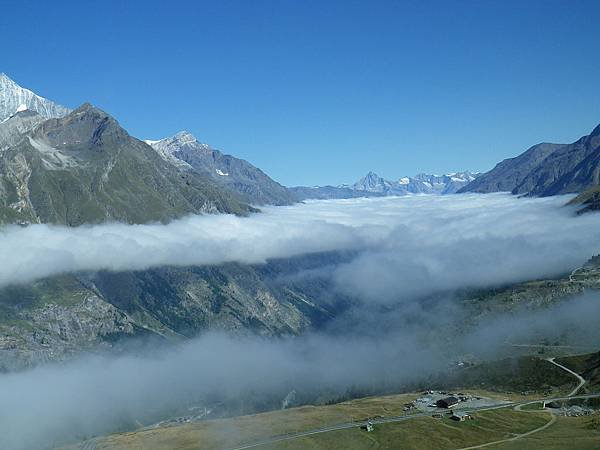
[(317, 92)]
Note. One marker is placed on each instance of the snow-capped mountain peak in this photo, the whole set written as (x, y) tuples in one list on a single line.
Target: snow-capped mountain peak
[(185, 137), (420, 183), (372, 183), (177, 142), (14, 98)]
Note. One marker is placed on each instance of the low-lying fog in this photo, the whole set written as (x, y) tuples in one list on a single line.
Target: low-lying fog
[(407, 248)]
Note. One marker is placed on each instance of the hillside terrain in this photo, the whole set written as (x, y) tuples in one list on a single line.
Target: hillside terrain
[(546, 169), (58, 318), (84, 168), (588, 199), (588, 366)]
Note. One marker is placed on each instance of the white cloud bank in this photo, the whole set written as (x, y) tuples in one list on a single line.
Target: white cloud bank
[(407, 246)]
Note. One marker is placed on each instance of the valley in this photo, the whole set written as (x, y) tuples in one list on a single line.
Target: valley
[(165, 294)]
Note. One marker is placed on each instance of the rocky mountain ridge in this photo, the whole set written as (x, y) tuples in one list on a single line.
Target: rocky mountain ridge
[(14, 98), (250, 183), (546, 169)]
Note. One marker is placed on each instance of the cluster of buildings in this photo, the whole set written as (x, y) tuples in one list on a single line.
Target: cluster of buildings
[(442, 400)]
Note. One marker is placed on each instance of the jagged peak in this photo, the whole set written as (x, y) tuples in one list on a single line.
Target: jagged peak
[(370, 176), (184, 135), (13, 97), (7, 79), (90, 112), (595, 132)]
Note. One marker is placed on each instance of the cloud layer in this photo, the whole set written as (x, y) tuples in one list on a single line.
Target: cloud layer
[(405, 249), (407, 246), (49, 406)]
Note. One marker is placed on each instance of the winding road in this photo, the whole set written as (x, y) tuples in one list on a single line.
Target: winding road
[(552, 416), (576, 375)]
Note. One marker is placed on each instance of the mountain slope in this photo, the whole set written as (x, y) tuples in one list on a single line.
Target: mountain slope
[(546, 169), (13, 97), (57, 318), (85, 168), (510, 173), (13, 128), (184, 151), (571, 169)]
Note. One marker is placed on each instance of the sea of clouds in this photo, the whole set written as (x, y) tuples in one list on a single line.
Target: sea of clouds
[(405, 249), (416, 243)]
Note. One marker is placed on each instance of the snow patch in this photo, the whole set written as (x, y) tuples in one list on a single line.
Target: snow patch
[(220, 172)]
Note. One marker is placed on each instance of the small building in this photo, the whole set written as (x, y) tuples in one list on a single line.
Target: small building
[(448, 402), (461, 416)]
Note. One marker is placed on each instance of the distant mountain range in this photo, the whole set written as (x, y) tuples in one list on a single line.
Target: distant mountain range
[(548, 169), (74, 167), (372, 185)]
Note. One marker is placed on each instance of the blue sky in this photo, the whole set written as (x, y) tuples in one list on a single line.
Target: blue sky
[(317, 92)]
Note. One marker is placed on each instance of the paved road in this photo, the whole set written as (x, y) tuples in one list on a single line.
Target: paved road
[(348, 425), (576, 375)]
